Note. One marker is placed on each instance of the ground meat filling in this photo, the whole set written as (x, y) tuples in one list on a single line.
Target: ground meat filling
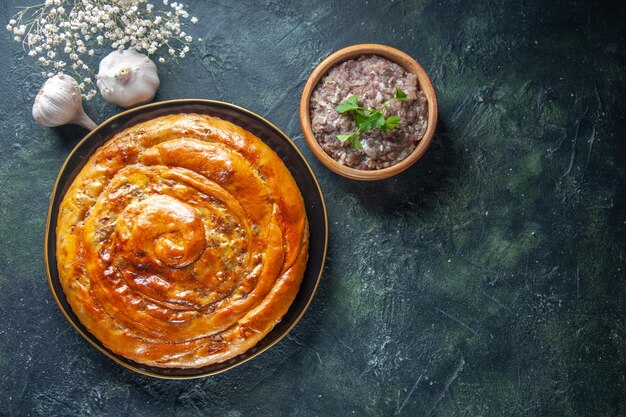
[(375, 80)]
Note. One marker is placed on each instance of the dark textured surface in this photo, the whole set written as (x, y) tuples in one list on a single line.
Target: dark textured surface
[(487, 280)]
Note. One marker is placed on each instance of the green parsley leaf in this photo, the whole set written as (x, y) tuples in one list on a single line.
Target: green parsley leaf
[(378, 120), (390, 123), (349, 104), (370, 120), (343, 138), (400, 95), (360, 118), (353, 138)]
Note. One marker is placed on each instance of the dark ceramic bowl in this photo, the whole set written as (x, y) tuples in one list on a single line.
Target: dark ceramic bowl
[(267, 132)]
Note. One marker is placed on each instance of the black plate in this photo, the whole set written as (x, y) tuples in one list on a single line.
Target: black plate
[(271, 135)]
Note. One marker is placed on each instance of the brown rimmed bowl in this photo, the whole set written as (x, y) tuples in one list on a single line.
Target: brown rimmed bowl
[(351, 52), (268, 133)]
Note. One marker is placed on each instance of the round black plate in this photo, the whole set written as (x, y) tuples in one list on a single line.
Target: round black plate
[(271, 135)]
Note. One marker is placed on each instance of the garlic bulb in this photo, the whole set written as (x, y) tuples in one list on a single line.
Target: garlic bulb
[(59, 102), (127, 78)]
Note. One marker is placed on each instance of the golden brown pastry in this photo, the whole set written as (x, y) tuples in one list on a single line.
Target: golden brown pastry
[(182, 242)]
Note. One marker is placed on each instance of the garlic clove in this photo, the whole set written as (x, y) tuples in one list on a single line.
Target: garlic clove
[(59, 102), (127, 77), (83, 120)]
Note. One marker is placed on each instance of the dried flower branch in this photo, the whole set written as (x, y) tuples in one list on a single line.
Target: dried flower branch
[(64, 35)]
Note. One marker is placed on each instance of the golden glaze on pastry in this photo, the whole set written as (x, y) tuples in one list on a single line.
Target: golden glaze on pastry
[(182, 242)]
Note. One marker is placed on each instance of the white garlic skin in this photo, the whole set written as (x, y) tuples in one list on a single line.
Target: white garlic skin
[(59, 102), (127, 78)]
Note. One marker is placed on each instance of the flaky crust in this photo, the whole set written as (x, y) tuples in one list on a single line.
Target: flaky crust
[(182, 242)]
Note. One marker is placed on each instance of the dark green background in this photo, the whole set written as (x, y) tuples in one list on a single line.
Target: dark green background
[(488, 280)]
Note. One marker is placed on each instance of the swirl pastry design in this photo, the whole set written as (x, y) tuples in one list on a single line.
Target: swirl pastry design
[(182, 241)]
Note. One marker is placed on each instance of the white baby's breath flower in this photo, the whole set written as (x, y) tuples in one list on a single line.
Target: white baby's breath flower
[(76, 30)]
